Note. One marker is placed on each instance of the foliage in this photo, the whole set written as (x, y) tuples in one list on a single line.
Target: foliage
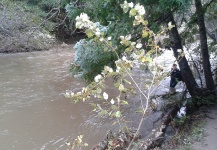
[(134, 52), (99, 10), (44, 5), (180, 5), (90, 59), (203, 100), (48, 4), (121, 26), (198, 131), (109, 13), (72, 11), (180, 121), (133, 49), (91, 56), (117, 23)]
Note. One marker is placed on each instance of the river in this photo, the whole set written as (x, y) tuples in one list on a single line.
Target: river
[(34, 114)]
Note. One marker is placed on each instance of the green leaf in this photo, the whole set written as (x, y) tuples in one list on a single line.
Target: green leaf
[(144, 34), (139, 111), (102, 112), (129, 49), (127, 81), (124, 102), (142, 66), (145, 22), (105, 49), (149, 59), (118, 114), (89, 33), (125, 7)]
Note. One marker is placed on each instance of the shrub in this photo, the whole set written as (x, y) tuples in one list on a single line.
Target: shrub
[(90, 59)]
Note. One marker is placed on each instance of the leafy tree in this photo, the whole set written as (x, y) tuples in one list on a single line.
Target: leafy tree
[(108, 13), (111, 16), (90, 59), (135, 55)]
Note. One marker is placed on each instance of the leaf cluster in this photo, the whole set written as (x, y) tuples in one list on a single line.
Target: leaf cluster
[(90, 59)]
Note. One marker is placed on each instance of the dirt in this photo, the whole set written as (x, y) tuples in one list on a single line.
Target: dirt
[(210, 132)]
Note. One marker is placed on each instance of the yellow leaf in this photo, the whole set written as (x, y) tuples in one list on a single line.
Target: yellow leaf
[(121, 87), (89, 33), (143, 59), (144, 34), (114, 123), (124, 102), (145, 22), (127, 81)]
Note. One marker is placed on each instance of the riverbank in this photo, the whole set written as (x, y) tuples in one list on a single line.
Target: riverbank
[(199, 132), (21, 28)]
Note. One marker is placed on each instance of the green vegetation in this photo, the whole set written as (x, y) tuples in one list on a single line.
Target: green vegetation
[(110, 14), (131, 39), (90, 59), (203, 101)]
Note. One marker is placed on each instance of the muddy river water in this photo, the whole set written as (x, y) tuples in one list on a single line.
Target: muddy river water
[(34, 114)]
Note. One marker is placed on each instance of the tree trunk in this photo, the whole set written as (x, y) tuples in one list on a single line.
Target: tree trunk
[(204, 47), (182, 61)]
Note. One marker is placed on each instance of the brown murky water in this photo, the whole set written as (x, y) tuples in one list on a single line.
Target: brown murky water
[(34, 114)]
